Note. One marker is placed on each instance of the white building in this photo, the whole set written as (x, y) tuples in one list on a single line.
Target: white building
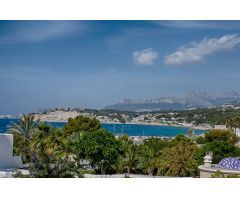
[(7, 160), (220, 127), (238, 132), (224, 127)]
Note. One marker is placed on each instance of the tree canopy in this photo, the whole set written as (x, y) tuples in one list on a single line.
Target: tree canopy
[(221, 135), (182, 160), (220, 149), (99, 147), (81, 123)]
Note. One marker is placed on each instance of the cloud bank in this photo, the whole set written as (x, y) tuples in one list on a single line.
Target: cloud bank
[(145, 57), (196, 51)]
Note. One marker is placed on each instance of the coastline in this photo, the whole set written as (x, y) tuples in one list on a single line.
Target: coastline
[(162, 124), (134, 135), (63, 116), (53, 120), (141, 123)]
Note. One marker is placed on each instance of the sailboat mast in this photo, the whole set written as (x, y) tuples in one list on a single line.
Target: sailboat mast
[(114, 129)]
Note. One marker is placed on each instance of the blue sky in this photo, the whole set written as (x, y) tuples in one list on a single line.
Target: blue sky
[(45, 64)]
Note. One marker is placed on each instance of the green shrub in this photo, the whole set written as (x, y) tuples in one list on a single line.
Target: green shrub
[(221, 136), (200, 140)]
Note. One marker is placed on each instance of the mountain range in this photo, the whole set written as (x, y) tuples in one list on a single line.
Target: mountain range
[(191, 100)]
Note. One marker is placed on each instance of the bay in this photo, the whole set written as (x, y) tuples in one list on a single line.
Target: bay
[(129, 129)]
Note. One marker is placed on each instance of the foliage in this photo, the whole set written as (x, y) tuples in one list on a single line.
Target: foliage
[(207, 116), (53, 139), (87, 171), (221, 135), (219, 174), (220, 149), (19, 174), (99, 147), (157, 144), (26, 126), (149, 151), (181, 138), (21, 147), (124, 142), (130, 158), (81, 123), (182, 159), (50, 166), (54, 152), (22, 132), (200, 140), (190, 134), (233, 122), (233, 176)]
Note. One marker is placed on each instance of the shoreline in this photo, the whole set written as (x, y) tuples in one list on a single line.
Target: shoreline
[(136, 123), (161, 124), (133, 123), (141, 123)]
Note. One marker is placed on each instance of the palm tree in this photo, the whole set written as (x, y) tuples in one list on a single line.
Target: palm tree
[(22, 132), (59, 143), (53, 140), (149, 159), (233, 123), (25, 127), (130, 159)]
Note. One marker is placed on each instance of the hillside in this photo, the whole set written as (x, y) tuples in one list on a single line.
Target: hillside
[(191, 100)]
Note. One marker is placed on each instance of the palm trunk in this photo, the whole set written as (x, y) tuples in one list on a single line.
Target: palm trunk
[(129, 170)]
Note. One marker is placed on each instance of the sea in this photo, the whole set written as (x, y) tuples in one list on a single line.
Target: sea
[(118, 129)]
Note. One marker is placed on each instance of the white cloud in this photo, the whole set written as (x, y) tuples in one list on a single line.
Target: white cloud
[(195, 52), (145, 57)]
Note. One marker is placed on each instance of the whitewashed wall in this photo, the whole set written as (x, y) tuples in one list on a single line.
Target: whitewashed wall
[(7, 160)]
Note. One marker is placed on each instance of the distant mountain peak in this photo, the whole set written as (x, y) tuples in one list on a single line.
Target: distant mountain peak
[(190, 100)]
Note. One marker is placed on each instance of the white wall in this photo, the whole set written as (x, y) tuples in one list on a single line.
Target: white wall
[(238, 132), (7, 160)]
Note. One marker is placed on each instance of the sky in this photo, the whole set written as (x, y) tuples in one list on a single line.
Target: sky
[(91, 64)]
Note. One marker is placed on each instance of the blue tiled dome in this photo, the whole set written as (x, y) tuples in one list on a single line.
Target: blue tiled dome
[(230, 164)]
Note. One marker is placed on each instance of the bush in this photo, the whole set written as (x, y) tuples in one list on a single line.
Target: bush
[(222, 149), (219, 174), (49, 166), (221, 135), (81, 123), (182, 138), (100, 147), (182, 160), (200, 140)]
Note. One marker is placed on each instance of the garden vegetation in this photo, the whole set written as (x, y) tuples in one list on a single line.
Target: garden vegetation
[(82, 146)]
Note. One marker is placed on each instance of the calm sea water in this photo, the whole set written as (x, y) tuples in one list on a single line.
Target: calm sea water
[(130, 129)]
